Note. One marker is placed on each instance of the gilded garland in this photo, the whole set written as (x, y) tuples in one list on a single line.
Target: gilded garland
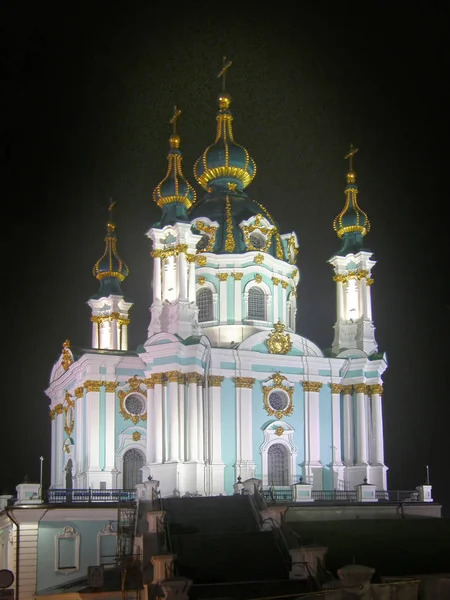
[(279, 342), (134, 387)]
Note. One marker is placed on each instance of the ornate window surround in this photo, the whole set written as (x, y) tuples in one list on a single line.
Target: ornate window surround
[(261, 225), (68, 533), (126, 442), (278, 382), (209, 228), (215, 296), (278, 432), (268, 300)]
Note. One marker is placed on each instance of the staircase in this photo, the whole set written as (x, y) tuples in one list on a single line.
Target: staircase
[(218, 540)]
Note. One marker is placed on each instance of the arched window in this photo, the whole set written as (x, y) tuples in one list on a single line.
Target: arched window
[(278, 465), (69, 480), (205, 305), (256, 304), (133, 461)]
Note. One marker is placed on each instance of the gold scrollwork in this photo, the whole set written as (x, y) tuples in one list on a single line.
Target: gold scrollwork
[(344, 277), (244, 382), (134, 387), (229, 241), (67, 357), (210, 231), (200, 260), (79, 391), (279, 342), (312, 386), (278, 385), (266, 232)]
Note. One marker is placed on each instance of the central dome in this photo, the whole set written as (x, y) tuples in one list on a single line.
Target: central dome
[(225, 164)]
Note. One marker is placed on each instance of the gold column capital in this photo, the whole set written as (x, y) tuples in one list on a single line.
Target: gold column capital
[(92, 385), (149, 382), (336, 388), (111, 386), (275, 280), (181, 378), (360, 388), (79, 391), (376, 388), (244, 382), (222, 276), (158, 378), (215, 380), (284, 284), (312, 386), (237, 276), (192, 378), (347, 389)]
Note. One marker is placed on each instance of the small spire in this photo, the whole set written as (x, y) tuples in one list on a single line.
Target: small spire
[(110, 265), (174, 189), (352, 223)]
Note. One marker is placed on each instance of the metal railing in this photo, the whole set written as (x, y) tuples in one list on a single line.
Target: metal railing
[(397, 495), (334, 495), (62, 496)]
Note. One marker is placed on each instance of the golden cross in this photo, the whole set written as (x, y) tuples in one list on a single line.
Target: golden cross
[(110, 209), (351, 154), (174, 119), (226, 64)]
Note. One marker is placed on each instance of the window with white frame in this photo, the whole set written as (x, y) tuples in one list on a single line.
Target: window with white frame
[(256, 304), (67, 550), (205, 305)]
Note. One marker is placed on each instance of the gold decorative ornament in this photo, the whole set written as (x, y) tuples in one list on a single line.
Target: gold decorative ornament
[(229, 241), (360, 388), (222, 276), (279, 342), (191, 257), (284, 284), (111, 386), (369, 281), (279, 430), (67, 357), (158, 378), (192, 378), (266, 232), (201, 280), (244, 382), (92, 385), (347, 389), (173, 376), (294, 273), (275, 280), (259, 259), (237, 276), (336, 388), (79, 392), (210, 231), (292, 250), (200, 260), (67, 448), (181, 378), (134, 387), (293, 294), (135, 383), (149, 382), (279, 383), (312, 386), (376, 388), (136, 436), (258, 278), (344, 277), (215, 380), (232, 186)]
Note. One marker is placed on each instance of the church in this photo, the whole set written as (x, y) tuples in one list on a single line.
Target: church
[(222, 388)]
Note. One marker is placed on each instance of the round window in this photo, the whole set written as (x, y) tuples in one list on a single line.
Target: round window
[(134, 405), (257, 240), (278, 400)]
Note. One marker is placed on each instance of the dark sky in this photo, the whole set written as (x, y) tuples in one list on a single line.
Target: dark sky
[(87, 95)]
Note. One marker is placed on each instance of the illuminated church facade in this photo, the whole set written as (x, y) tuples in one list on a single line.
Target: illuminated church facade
[(222, 387)]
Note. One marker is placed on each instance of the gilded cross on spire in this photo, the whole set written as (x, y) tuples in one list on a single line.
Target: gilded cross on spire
[(174, 119), (226, 64), (350, 154), (111, 206)]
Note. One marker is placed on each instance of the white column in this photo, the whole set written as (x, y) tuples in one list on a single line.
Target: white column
[(192, 278), (369, 299), (223, 297), (93, 424), (156, 280), (192, 379), (157, 429), (53, 454), (80, 431), (181, 415), (151, 422), (377, 424), (124, 337), (215, 417), (174, 430), (201, 432), (361, 424), (244, 391), (114, 334), (60, 450), (339, 301), (276, 283), (170, 283), (110, 425), (313, 423), (182, 276), (94, 333), (284, 285), (349, 447), (336, 422), (237, 297)]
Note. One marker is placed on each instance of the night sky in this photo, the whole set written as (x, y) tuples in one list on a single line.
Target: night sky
[(87, 95)]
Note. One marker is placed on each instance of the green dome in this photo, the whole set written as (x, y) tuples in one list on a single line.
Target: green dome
[(225, 165), (229, 210)]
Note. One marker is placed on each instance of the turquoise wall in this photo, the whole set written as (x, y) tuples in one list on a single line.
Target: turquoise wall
[(46, 575), (229, 432)]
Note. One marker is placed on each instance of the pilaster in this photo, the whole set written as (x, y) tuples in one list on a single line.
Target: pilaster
[(245, 467), (223, 318), (313, 465), (361, 424), (237, 296), (349, 444)]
